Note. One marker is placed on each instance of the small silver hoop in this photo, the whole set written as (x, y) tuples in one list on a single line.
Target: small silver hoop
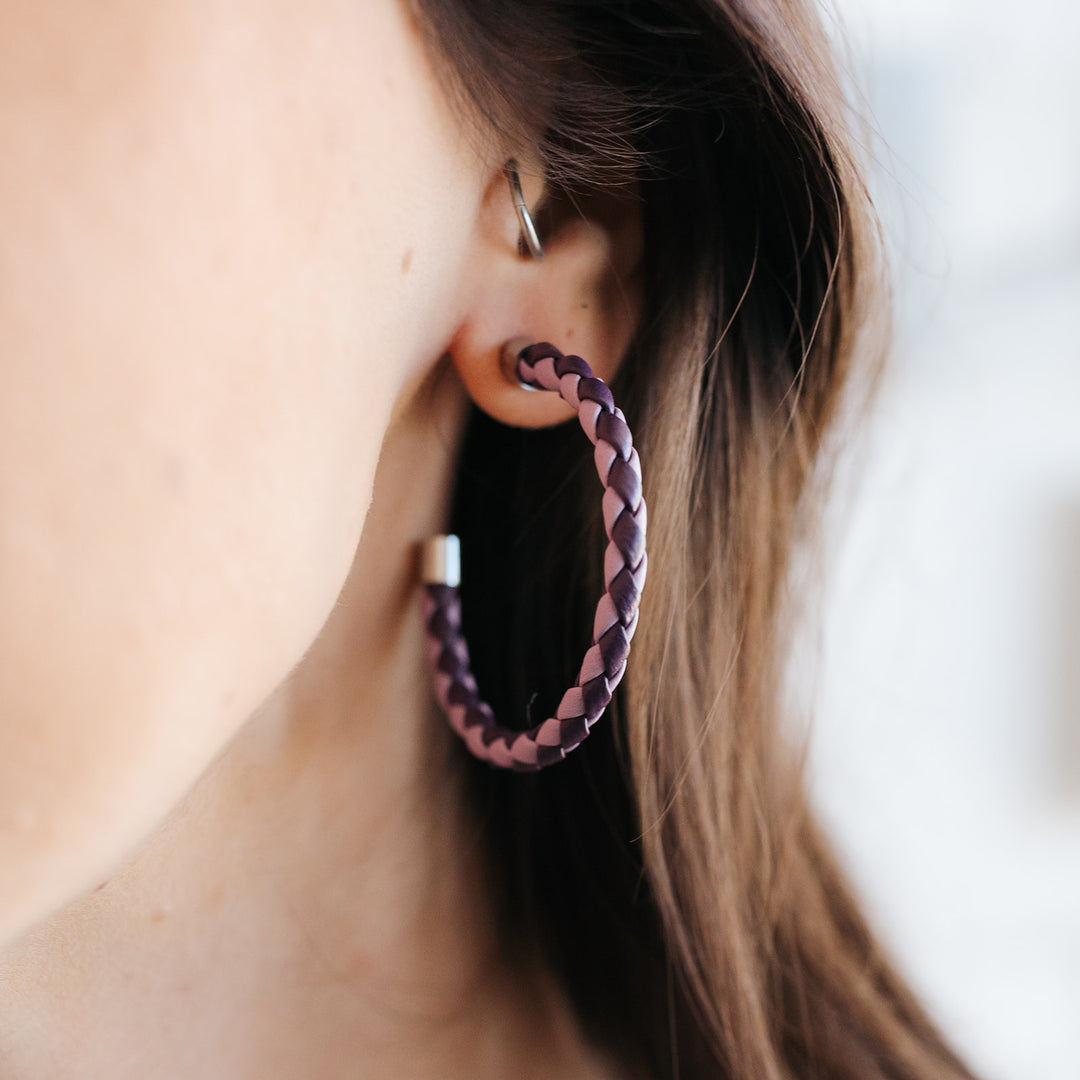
[(528, 229)]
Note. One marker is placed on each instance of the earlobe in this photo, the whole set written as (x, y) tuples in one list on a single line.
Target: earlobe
[(583, 296)]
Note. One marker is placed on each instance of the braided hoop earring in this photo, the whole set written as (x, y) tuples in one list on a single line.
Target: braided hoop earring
[(543, 367)]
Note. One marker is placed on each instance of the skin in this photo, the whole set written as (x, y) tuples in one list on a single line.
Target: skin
[(241, 317)]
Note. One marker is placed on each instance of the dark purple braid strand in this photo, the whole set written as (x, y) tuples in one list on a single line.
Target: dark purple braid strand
[(544, 367)]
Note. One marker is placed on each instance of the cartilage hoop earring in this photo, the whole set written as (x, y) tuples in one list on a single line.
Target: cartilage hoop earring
[(544, 367), (529, 234)]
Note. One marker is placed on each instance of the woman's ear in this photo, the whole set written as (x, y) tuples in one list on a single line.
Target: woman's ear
[(583, 295)]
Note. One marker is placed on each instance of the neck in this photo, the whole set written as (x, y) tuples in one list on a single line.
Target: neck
[(316, 905)]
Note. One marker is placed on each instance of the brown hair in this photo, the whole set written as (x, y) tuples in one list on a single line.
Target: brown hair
[(670, 872)]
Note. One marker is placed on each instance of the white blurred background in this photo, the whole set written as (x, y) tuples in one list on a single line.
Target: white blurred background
[(946, 748)]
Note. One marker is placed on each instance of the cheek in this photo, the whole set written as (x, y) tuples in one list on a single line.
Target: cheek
[(203, 327)]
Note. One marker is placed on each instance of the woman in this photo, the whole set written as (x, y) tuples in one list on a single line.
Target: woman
[(262, 283)]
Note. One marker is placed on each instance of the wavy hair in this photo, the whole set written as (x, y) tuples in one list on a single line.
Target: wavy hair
[(670, 873)]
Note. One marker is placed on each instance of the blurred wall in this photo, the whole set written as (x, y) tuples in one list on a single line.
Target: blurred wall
[(946, 746)]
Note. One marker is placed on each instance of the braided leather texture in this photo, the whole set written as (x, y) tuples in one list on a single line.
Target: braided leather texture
[(542, 366)]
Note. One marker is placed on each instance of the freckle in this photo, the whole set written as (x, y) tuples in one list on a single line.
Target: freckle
[(406, 261)]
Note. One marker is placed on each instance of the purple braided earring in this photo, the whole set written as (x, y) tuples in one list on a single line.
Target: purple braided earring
[(543, 367)]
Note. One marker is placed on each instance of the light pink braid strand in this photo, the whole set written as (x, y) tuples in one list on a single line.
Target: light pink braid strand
[(544, 367)]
